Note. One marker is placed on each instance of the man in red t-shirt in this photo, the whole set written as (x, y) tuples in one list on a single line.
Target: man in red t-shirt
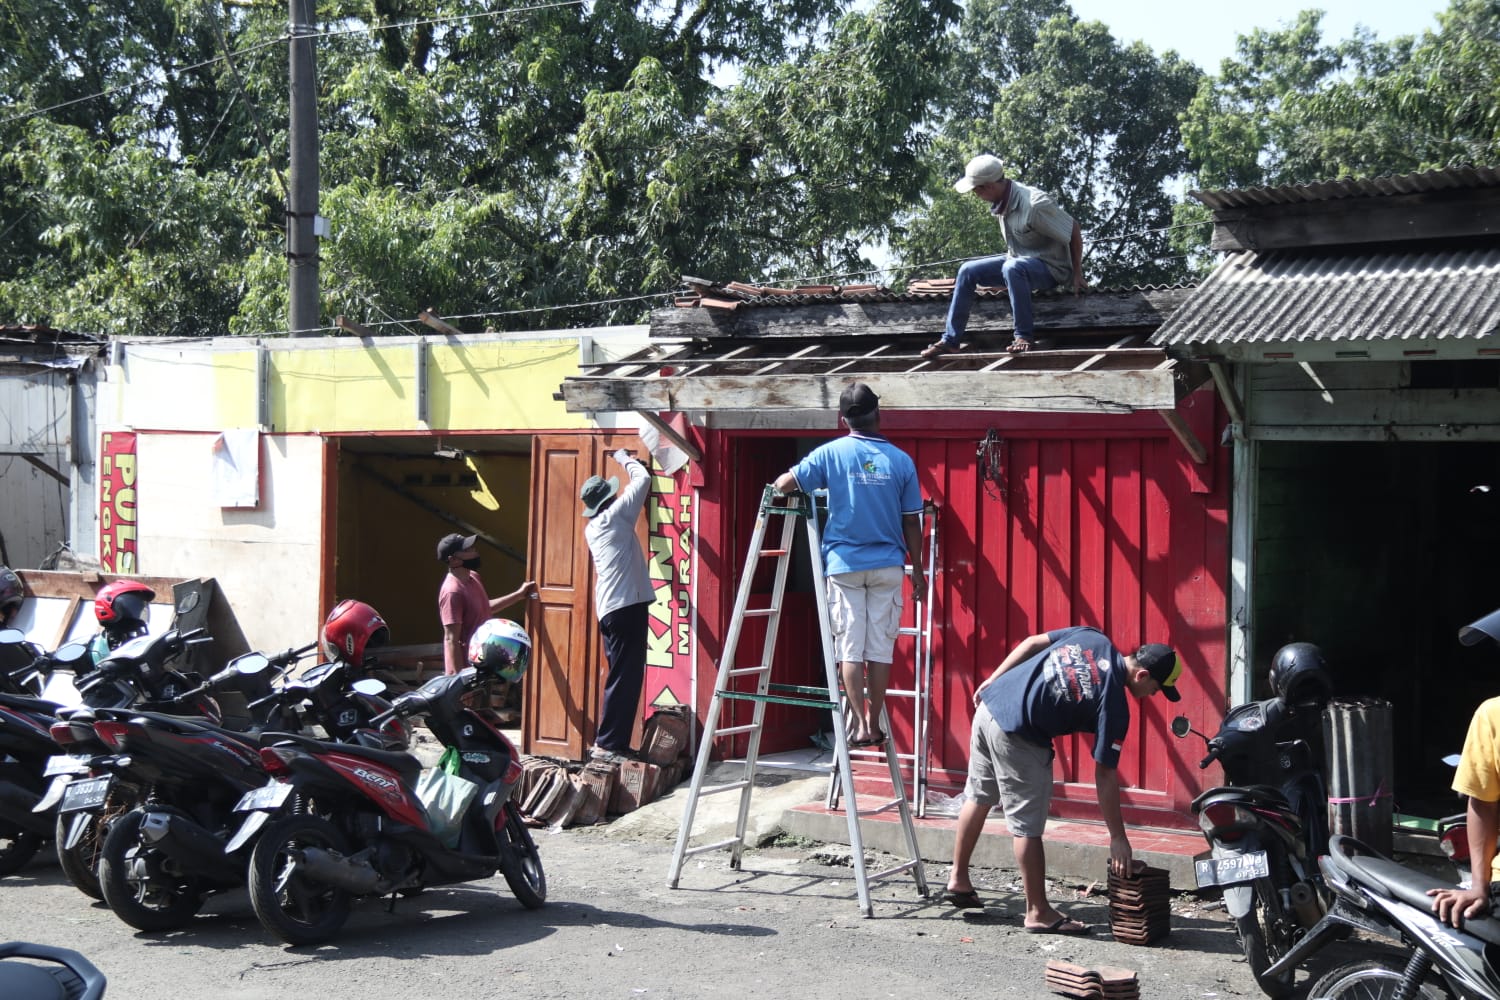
[(463, 602)]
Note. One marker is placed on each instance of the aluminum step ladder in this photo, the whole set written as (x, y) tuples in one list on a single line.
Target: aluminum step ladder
[(790, 508), (919, 694)]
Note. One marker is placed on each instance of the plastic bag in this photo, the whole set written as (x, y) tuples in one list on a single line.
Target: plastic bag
[(445, 796)]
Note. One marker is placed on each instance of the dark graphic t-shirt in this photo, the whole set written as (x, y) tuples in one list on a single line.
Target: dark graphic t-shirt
[(1075, 685)]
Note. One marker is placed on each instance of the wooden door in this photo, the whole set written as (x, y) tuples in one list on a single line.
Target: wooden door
[(565, 687)]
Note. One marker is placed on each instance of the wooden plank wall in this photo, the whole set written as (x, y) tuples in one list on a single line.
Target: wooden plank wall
[(1104, 522)]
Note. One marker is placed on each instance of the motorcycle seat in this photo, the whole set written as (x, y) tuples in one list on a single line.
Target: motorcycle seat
[(187, 725), (403, 764), (1266, 795), (1406, 885), (23, 703)]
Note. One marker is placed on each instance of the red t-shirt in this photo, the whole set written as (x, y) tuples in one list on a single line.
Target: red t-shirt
[(463, 603)]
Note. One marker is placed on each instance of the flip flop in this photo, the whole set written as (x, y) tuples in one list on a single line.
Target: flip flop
[(869, 741), (1020, 345), (1060, 926), (963, 900)]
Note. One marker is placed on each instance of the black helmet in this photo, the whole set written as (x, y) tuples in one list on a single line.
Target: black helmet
[(1487, 627), (1299, 676), (11, 592)]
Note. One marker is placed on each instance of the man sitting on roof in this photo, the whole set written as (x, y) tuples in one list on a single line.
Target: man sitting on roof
[(1044, 249)]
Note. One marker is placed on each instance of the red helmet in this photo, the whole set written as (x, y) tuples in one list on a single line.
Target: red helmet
[(352, 628), (123, 605)]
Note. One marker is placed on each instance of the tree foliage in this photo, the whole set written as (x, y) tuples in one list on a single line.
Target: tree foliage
[(511, 163), (1292, 109)]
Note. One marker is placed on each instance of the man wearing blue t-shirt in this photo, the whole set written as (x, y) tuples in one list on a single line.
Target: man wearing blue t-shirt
[(874, 523), (1071, 680)]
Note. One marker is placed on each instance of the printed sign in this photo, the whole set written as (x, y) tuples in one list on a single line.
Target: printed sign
[(669, 519), (117, 517)]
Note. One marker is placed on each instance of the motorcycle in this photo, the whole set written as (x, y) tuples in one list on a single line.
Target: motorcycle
[(135, 677), (338, 821), (66, 974), (37, 676), (162, 858), (1377, 896), (25, 744), (1266, 829)]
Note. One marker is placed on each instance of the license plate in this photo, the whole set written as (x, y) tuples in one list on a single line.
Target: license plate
[(66, 764), (85, 795), (1231, 870), (267, 797)]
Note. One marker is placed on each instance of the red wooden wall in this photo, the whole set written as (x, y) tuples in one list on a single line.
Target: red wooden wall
[(1103, 521)]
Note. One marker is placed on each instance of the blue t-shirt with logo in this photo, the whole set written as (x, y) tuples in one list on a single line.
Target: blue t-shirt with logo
[(1075, 685), (870, 484)]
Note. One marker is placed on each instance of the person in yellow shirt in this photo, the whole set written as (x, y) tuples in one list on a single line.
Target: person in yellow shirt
[(1478, 777)]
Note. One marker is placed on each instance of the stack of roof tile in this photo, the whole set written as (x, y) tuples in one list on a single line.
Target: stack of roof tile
[(1140, 906), (1104, 983)]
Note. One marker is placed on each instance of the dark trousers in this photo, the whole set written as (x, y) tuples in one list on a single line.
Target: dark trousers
[(624, 631)]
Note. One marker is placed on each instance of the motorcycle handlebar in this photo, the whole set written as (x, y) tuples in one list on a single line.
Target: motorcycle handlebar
[(292, 655)]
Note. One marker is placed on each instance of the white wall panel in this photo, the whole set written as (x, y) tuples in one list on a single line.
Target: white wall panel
[(266, 560)]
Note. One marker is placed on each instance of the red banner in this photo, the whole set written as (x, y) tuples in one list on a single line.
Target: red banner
[(117, 503)]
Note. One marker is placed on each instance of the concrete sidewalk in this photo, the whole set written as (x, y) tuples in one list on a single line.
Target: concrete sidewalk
[(788, 800)]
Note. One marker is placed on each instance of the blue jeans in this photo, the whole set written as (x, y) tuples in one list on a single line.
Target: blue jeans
[(1020, 275)]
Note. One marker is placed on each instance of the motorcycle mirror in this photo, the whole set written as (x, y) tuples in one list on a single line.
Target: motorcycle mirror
[(71, 653), (369, 685), (11, 636), (1181, 727), (250, 663)]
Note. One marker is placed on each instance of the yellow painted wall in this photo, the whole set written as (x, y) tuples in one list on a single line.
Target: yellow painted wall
[(334, 385)]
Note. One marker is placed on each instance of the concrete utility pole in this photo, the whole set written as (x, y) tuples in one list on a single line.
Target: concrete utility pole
[(302, 196)]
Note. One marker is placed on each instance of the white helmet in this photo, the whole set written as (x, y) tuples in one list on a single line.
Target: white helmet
[(500, 648)]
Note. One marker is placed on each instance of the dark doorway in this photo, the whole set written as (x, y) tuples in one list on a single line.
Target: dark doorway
[(1379, 553)]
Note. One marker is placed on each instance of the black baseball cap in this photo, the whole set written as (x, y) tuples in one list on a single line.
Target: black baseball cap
[(858, 400), (455, 543), (1162, 664)]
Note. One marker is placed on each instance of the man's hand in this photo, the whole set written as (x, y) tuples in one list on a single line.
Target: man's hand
[(1078, 285), (918, 580), (622, 456), (1454, 906), (1121, 858)]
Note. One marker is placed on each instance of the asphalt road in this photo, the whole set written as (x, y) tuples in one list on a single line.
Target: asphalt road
[(786, 925)]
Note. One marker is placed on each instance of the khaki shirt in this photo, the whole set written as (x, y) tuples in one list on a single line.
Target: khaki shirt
[(1036, 226)]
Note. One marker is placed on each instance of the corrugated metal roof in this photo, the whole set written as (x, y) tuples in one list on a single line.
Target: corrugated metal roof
[(740, 295), (1453, 178), (1286, 297)]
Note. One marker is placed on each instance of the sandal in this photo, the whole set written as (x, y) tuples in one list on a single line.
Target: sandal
[(1020, 345)]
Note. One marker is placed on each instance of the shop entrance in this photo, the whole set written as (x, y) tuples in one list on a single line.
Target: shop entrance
[(395, 497), (1378, 553)]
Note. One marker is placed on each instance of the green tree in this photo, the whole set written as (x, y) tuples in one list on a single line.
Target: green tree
[(1291, 109)]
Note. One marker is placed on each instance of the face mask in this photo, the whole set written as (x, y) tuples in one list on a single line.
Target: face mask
[(471, 563)]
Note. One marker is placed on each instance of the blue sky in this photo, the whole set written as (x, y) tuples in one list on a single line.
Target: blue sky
[(1206, 33)]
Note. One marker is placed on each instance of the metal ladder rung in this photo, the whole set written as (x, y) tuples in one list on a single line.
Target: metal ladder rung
[(773, 699), (760, 612), (747, 671), (735, 730), (703, 848), (732, 786), (904, 866), (791, 765), (778, 553)]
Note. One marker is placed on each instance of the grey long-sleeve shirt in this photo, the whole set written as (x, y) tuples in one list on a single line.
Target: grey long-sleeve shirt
[(621, 576)]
